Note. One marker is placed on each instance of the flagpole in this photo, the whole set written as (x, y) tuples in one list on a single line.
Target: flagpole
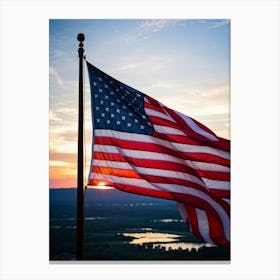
[(80, 168)]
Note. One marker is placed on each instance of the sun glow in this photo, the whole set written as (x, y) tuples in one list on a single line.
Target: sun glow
[(100, 186)]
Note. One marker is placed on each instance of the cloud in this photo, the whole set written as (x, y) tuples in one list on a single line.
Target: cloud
[(156, 25), (153, 62), (62, 157), (219, 23), (53, 117), (138, 36), (54, 74), (146, 27)]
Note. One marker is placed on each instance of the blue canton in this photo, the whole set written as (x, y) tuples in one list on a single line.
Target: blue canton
[(115, 105)]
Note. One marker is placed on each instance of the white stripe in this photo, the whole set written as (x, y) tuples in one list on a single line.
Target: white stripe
[(168, 130), (151, 112), (138, 154), (183, 211), (146, 100), (200, 149), (184, 214), (217, 185), (123, 180), (203, 225), (168, 188), (196, 128), (111, 164), (150, 171), (226, 200), (177, 188), (171, 145)]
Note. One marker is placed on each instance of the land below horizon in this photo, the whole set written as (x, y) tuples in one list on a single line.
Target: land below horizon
[(123, 226)]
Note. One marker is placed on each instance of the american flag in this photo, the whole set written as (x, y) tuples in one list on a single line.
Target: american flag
[(143, 147)]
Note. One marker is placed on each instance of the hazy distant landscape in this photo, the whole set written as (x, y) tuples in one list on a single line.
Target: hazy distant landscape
[(123, 226)]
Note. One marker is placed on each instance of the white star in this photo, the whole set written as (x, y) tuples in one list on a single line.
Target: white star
[(118, 110), (136, 121), (100, 79), (102, 115), (118, 122), (97, 108), (130, 114), (107, 109), (142, 126), (112, 104), (123, 118), (108, 121), (100, 90), (106, 97), (112, 115), (128, 124), (105, 86), (98, 120)]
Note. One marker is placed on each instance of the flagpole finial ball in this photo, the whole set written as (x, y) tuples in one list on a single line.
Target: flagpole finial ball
[(81, 37)]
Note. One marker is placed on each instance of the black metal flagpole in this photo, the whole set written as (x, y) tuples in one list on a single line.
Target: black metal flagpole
[(80, 175)]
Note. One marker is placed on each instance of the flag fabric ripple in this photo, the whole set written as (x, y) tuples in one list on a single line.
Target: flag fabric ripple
[(143, 147)]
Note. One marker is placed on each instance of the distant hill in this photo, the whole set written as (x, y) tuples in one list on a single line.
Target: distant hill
[(68, 197)]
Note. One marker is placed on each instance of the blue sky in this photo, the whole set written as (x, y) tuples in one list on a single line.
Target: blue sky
[(185, 64)]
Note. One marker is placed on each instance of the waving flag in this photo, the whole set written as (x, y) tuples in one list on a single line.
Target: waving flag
[(143, 147)]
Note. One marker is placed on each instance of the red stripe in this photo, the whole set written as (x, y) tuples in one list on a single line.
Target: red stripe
[(216, 231), (222, 144), (126, 173), (215, 227), (108, 156), (148, 178), (200, 203), (136, 190), (160, 164), (159, 179), (153, 107), (159, 121), (220, 193), (193, 221), (185, 183), (203, 157), (189, 139), (154, 164), (214, 175), (166, 165), (185, 198), (151, 147)]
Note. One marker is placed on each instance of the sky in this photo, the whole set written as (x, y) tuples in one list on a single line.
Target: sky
[(184, 64)]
